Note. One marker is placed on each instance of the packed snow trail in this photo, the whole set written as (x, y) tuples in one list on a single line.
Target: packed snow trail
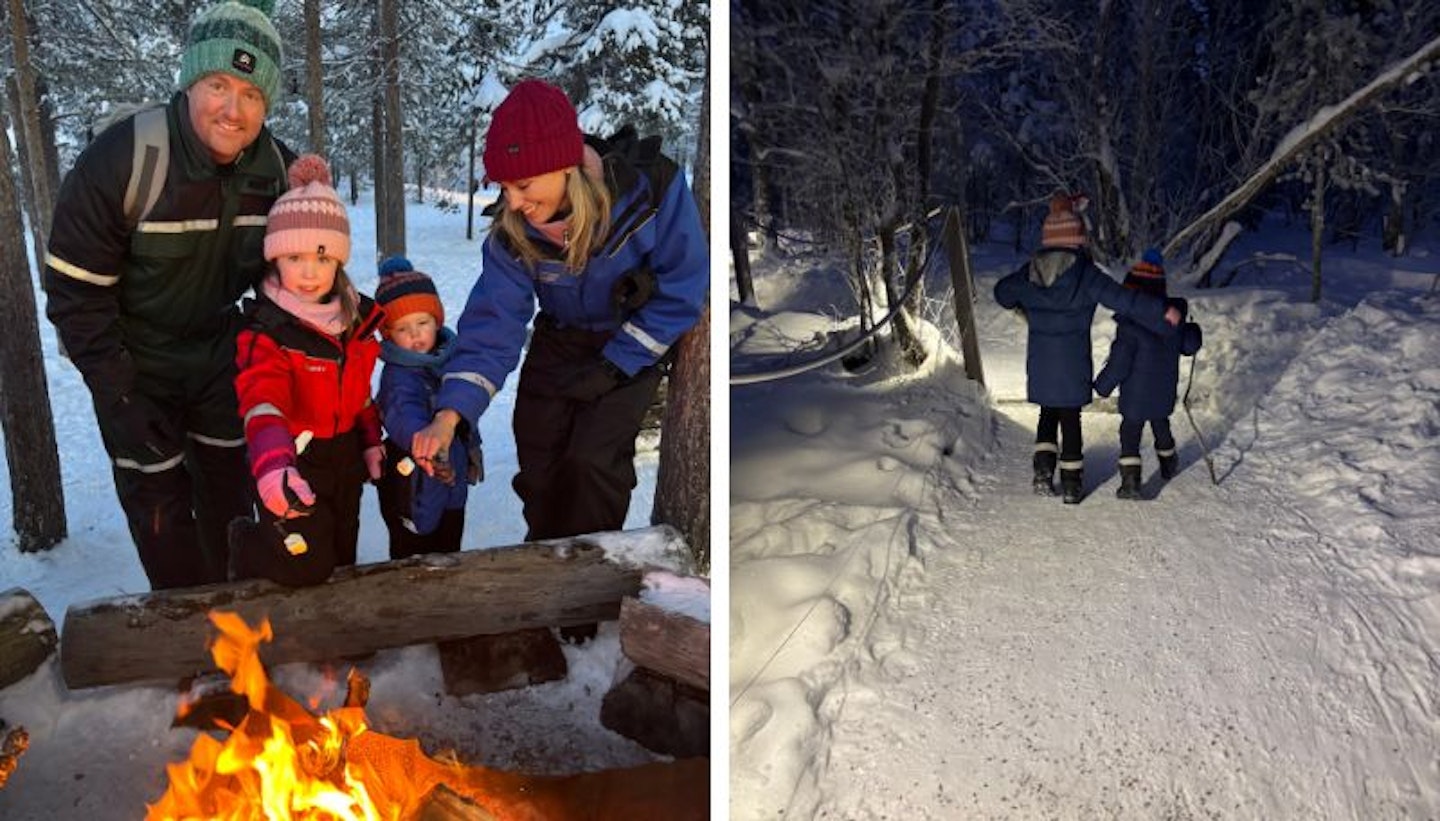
[(1260, 649), (1120, 659)]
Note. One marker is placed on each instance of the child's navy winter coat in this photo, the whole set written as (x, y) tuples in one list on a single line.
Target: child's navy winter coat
[(1146, 366), (1058, 290), (408, 385)]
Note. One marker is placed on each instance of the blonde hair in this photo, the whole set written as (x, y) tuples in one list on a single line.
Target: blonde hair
[(589, 223)]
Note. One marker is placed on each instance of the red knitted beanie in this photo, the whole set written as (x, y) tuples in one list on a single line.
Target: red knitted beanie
[(310, 216), (534, 131), (1062, 227)]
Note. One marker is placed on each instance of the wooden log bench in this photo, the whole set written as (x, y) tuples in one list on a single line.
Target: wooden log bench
[(27, 635), (664, 703), (164, 635)]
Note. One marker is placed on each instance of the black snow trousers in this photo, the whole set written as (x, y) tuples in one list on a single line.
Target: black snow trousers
[(178, 501), (1131, 429), (1059, 429), (335, 470), (577, 459), (396, 494)]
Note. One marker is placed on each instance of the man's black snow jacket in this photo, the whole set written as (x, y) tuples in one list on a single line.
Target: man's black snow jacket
[(158, 297)]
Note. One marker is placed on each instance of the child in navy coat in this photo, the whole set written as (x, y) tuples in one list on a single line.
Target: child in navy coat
[(1058, 290), (424, 513), (1146, 368)]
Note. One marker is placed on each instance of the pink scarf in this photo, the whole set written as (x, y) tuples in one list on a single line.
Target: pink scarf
[(326, 316)]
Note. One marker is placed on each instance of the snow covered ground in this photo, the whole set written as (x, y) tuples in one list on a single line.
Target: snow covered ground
[(101, 754), (915, 635)]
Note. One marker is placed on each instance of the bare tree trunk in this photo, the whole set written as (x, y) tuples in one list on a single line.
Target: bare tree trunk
[(314, 78), (378, 154), (682, 486), (42, 188), (740, 256), (473, 183), (1317, 225), (394, 145), (38, 497)]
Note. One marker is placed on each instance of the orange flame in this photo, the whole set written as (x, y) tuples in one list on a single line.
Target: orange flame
[(281, 762)]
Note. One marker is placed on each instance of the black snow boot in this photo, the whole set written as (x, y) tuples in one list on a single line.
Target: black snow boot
[(1129, 482), (1045, 473), (1169, 464), (1071, 484)]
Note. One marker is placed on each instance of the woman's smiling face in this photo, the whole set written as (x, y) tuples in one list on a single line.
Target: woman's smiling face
[(538, 199)]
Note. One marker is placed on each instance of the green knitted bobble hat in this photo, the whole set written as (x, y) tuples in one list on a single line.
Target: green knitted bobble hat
[(237, 38)]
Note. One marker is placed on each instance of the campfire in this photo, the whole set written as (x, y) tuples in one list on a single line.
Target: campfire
[(283, 761)]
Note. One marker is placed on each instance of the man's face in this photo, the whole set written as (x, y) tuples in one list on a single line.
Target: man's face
[(227, 113)]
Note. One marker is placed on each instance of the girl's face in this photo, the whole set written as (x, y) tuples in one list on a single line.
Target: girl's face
[(308, 276), (414, 332), (537, 199)]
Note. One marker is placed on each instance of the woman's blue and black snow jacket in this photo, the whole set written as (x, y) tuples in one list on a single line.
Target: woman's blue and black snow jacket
[(1146, 365), (1058, 290), (655, 230), (408, 385)]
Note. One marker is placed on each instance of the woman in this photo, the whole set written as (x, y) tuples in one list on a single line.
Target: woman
[(606, 236)]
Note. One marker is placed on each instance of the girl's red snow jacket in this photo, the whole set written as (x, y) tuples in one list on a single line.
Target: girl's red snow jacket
[(295, 377)]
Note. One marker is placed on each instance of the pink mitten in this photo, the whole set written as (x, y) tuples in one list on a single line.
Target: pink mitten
[(285, 493), (375, 460)]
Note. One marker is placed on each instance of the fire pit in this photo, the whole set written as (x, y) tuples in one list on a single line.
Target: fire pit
[(280, 760)]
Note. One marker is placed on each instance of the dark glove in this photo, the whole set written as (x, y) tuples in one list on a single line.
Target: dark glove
[(592, 380), (141, 424)]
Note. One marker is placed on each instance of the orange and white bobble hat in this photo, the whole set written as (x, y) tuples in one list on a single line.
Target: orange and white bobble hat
[(310, 216)]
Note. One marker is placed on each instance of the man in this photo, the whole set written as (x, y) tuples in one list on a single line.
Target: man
[(147, 310)]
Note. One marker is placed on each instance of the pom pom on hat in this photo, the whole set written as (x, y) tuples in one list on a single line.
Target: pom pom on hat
[(236, 38), (310, 216), (1062, 227), (1148, 274), (534, 131), (403, 291)]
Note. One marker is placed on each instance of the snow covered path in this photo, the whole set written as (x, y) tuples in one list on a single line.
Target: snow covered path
[(916, 635), (1153, 659)]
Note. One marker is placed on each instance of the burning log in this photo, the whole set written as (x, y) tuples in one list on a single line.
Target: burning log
[(27, 635), (12, 746), (303, 766), (161, 636), (444, 804)]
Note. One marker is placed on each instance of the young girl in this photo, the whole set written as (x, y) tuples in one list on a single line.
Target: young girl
[(1058, 289), (305, 358), (1146, 368), (424, 513)]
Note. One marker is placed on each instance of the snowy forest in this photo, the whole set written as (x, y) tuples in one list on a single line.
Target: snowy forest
[(852, 119), (1232, 616), (396, 94)]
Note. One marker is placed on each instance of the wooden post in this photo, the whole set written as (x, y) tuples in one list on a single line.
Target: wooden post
[(963, 281), (164, 636)]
